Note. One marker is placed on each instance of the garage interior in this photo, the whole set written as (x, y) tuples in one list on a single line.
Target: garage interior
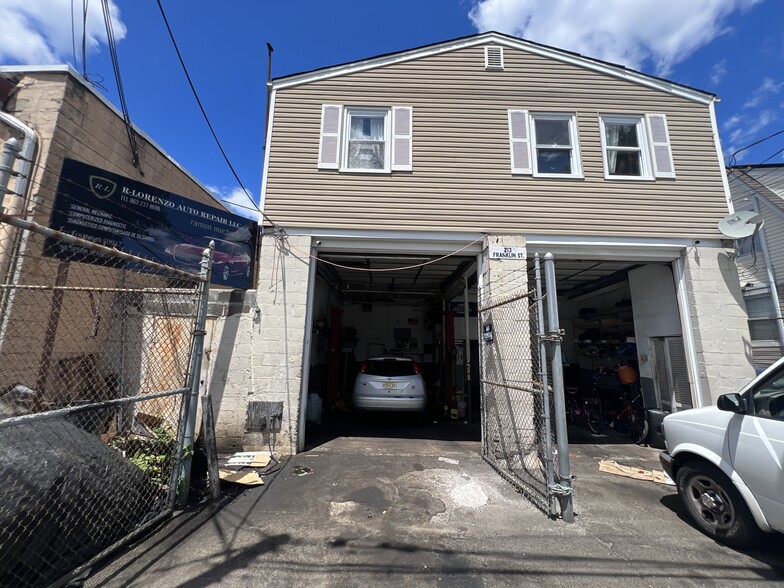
[(365, 306)]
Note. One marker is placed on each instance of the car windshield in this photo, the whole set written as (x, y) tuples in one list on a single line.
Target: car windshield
[(389, 367)]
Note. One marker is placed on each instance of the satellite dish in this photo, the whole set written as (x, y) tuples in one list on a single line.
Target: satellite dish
[(743, 223)]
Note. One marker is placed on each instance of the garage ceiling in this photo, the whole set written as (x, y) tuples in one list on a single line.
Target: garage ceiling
[(370, 278), (373, 277)]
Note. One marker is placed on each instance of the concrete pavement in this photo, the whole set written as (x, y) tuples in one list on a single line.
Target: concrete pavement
[(387, 512)]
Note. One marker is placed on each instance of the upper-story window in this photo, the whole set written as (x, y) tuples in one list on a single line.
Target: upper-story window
[(556, 145), (365, 139), (636, 147), (544, 144)]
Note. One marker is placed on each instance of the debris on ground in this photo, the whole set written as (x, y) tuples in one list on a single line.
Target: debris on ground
[(299, 470), (449, 460), (254, 459), (657, 476), (243, 477)]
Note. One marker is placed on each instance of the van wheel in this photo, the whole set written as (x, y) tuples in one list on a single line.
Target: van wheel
[(716, 505)]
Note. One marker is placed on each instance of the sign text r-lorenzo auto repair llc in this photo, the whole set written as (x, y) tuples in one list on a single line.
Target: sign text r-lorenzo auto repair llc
[(116, 211)]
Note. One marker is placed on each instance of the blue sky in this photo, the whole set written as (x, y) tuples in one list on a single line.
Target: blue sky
[(734, 48)]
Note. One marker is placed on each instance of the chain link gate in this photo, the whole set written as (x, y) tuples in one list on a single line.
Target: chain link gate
[(96, 355), (520, 415)]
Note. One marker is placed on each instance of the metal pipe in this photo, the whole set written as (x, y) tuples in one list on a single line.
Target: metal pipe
[(774, 292), (467, 353), (269, 94), (68, 410), (689, 345), (7, 160), (194, 375), (548, 441), (554, 334), (303, 393), (91, 246), (8, 242)]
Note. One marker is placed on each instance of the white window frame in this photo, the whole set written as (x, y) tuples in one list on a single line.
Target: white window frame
[(350, 111), (576, 164), (638, 120)]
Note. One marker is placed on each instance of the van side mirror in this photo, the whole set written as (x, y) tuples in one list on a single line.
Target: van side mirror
[(731, 403)]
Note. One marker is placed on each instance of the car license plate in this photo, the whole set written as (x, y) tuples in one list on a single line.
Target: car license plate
[(389, 385)]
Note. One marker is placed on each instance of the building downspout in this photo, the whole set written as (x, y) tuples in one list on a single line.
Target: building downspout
[(773, 287), (21, 190), (689, 344), (12, 244)]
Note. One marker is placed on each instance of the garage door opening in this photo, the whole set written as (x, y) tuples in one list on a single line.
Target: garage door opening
[(418, 312), (623, 349)]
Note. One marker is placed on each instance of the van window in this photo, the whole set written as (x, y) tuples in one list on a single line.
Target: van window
[(768, 397)]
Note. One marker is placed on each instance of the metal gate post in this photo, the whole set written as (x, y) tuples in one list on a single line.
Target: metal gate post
[(548, 429), (564, 486), (190, 401)]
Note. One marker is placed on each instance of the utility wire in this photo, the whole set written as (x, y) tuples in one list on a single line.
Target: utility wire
[(112, 44), (85, 6), (772, 156), (732, 157), (209, 124)]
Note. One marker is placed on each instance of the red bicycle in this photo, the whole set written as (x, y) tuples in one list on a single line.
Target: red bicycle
[(631, 420)]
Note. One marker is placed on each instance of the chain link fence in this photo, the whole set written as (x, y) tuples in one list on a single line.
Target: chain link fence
[(513, 399), (95, 351), (519, 391)]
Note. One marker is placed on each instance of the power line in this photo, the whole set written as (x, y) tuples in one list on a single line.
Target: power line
[(209, 124), (732, 156), (772, 156), (112, 44)]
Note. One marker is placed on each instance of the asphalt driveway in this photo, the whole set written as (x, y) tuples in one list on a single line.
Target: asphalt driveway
[(378, 511)]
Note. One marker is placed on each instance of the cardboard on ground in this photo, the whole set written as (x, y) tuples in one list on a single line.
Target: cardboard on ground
[(246, 477), (254, 459)]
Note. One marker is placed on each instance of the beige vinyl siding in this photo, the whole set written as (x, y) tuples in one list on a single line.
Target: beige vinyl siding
[(461, 178)]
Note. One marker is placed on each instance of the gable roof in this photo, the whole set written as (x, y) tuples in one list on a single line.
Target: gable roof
[(505, 40)]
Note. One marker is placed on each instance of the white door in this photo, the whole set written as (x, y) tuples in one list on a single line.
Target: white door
[(756, 443)]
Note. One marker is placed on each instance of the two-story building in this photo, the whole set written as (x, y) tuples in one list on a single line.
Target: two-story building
[(395, 179)]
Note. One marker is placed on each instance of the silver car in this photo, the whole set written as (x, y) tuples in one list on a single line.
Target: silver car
[(390, 384)]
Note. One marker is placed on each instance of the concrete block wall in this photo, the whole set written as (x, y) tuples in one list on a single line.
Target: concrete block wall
[(719, 322), (256, 351)]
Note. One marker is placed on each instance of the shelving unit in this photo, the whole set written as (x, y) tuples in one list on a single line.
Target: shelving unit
[(613, 328)]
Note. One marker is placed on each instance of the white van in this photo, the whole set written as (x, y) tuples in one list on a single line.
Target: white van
[(728, 461)]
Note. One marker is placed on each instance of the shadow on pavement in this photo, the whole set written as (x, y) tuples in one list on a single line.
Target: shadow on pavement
[(389, 425)]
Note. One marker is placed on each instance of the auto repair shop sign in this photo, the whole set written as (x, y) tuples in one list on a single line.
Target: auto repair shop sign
[(136, 218)]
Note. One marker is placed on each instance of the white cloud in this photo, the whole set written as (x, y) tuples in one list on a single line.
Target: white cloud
[(632, 33), (743, 130), (236, 200), (766, 88), (38, 32), (718, 71)]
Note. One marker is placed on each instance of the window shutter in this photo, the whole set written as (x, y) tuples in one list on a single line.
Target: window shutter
[(661, 151), (520, 142), (329, 145), (402, 118)]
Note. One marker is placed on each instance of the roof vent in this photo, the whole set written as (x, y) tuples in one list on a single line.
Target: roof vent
[(494, 58)]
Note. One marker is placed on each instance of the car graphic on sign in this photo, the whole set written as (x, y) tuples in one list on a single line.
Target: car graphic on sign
[(229, 259)]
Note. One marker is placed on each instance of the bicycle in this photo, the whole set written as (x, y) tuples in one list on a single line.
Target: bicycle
[(583, 408), (631, 420)]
